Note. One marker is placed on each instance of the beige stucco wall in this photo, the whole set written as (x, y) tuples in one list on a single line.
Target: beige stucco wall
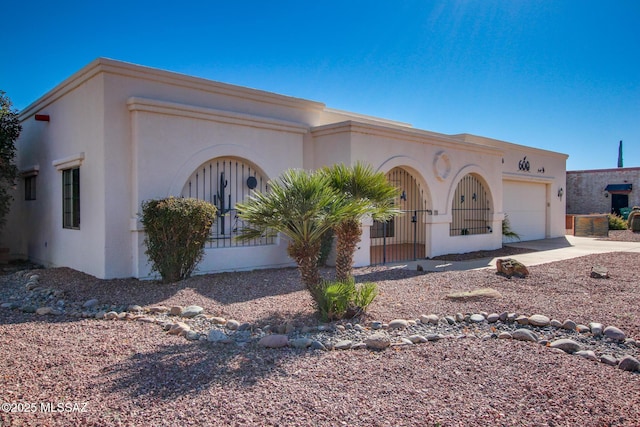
[(142, 132), (76, 129)]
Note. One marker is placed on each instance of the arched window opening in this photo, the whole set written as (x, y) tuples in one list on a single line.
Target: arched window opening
[(471, 208), (224, 182)]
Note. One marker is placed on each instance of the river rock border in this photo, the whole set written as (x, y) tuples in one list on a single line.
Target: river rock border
[(594, 342)]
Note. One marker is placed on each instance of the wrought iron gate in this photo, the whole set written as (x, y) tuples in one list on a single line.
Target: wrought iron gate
[(400, 239)]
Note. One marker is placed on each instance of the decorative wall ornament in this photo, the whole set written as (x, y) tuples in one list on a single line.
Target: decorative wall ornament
[(441, 165)]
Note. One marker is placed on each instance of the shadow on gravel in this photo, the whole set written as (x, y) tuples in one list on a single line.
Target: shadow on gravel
[(386, 274), (14, 317), (184, 369), (190, 367)]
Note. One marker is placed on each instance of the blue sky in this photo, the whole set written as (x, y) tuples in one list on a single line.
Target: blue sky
[(558, 75)]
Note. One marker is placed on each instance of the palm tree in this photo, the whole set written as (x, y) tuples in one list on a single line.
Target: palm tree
[(302, 206), (361, 185)]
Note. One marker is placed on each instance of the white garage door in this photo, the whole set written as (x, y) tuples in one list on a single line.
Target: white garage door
[(525, 204)]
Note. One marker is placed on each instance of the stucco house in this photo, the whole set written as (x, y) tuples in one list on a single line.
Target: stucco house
[(115, 134)]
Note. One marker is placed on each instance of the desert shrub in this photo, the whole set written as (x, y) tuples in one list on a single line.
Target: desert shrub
[(507, 232), (333, 299), (176, 231), (337, 300), (616, 222), (365, 294)]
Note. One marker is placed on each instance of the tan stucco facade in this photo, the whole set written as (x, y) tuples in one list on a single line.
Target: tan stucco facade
[(138, 133)]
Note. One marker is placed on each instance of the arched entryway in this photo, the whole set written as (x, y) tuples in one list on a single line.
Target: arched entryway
[(224, 182), (402, 238), (470, 208)]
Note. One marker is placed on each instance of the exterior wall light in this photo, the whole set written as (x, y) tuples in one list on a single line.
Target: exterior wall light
[(560, 192)]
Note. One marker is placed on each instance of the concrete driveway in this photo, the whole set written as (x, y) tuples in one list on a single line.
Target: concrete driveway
[(544, 251)]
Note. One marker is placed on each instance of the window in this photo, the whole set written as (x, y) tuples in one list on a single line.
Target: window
[(225, 181), (30, 187), (71, 198)]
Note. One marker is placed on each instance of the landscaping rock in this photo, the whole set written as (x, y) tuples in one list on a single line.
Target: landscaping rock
[(398, 324), (232, 325), (300, 343), (555, 323), (179, 328), (522, 320), (587, 354), (599, 272), (567, 345), (477, 318), (90, 303), (111, 315), (343, 345), (192, 336), (569, 325), (134, 308), (378, 342), (317, 345), (43, 311), (511, 267), (176, 310), (493, 318), (432, 319), (582, 329), (192, 311), (608, 359), (629, 363), (504, 335), (596, 328), (418, 339), (274, 341), (216, 335), (614, 333), (158, 309), (539, 320), (524, 335)]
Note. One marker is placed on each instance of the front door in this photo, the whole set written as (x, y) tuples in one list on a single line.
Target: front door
[(619, 201)]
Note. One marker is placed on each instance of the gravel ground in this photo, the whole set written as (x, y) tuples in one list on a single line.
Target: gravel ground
[(132, 373)]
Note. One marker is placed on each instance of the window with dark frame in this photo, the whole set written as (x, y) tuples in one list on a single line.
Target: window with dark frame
[(30, 187), (71, 198)]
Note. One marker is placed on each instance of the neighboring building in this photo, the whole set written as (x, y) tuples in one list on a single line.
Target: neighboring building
[(115, 134), (602, 190)]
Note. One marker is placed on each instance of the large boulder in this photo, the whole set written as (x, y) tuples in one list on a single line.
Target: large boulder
[(511, 267)]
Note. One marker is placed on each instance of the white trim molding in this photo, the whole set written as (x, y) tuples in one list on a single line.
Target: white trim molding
[(69, 162), (33, 170)]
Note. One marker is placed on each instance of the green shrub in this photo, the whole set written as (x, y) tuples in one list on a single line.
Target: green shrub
[(333, 299), (616, 222), (337, 300), (365, 295), (176, 231), (507, 232)]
